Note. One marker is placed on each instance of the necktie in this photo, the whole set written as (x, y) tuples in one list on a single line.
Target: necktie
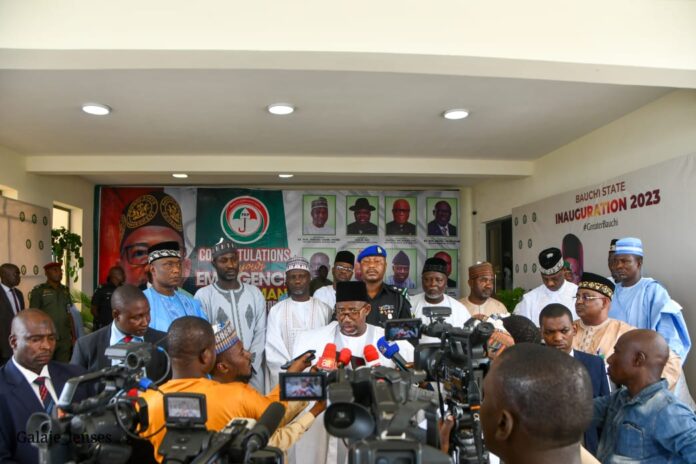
[(43, 392), (127, 339), (16, 301), (445, 231)]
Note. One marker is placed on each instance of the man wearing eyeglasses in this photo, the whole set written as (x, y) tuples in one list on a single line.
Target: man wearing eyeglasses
[(152, 218), (352, 331), (596, 332), (401, 210), (342, 271)]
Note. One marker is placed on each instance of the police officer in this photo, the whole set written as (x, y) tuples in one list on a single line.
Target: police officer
[(388, 302), (53, 298)]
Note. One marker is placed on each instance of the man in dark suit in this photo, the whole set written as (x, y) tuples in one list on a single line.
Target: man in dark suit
[(30, 382), (557, 330), (131, 312), (11, 302), (440, 225)]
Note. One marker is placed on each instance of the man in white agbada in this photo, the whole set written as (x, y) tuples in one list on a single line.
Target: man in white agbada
[(554, 290), (241, 304), (291, 316), (351, 331), (434, 281), (342, 271)]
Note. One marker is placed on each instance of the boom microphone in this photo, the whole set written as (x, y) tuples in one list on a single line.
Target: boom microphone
[(392, 352), (264, 428), (371, 356), (327, 361)]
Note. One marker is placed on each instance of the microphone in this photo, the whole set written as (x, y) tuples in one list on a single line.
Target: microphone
[(268, 423), (344, 357), (371, 356), (327, 361), (392, 352)]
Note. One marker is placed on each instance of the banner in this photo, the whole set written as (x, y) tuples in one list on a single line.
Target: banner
[(270, 226), (655, 204)]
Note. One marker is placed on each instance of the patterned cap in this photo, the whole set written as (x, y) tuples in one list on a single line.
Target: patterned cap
[(373, 250), (612, 245), (223, 247), (597, 283), (163, 250), (225, 337), (629, 246), (435, 265), (320, 202), (480, 269), (151, 209), (550, 261), (297, 262)]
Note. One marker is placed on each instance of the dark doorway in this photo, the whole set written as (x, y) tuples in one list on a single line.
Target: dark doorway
[(499, 251)]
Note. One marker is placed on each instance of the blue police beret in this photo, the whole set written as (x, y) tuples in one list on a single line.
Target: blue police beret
[(374, 250)]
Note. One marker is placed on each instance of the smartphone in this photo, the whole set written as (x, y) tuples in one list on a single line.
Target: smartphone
[(302, 386), (311, 358)]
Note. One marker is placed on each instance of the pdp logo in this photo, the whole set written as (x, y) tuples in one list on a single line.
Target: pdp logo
[(244, 220)]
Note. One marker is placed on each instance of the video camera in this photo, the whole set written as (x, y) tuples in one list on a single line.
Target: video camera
[(99, 429)]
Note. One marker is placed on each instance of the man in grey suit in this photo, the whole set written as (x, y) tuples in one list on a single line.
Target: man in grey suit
[(11, 303), (131, 312)]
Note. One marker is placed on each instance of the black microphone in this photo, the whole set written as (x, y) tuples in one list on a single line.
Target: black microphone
[(264, 428)]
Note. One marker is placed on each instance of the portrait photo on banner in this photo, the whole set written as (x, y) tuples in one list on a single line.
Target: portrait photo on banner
[(362, 215), (318, 257), (402, 268), (318, 214), (451, 258), (442, 217), (400, 215)]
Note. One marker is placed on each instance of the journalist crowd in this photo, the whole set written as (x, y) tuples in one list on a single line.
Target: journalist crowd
[(576, 372)]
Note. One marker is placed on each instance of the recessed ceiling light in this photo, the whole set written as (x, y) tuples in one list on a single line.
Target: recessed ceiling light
[(180, 175), (286, 176), (96, 109), (281, 109), (454, 114)]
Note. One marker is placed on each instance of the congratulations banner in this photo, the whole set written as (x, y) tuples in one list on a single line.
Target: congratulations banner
[(270, 226)]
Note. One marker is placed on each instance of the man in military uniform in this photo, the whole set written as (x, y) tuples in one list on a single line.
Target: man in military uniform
[(362, 210), (53, 298), (400, 225), (388, 302), (101, 300)]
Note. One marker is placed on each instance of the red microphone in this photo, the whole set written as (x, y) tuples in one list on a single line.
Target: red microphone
[(344, 357), (327, 361), (371, 356)]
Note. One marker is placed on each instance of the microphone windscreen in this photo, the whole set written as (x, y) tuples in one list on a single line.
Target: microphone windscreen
[(271, 417), (387, 350), (329, 351), (344, 356), (370, 353)]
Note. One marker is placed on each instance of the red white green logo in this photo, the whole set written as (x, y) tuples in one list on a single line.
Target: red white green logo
[(244, 220)]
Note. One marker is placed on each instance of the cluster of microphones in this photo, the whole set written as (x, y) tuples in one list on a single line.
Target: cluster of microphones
[(329, 362)]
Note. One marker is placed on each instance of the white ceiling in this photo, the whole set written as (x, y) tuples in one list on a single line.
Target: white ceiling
[(222, 112)]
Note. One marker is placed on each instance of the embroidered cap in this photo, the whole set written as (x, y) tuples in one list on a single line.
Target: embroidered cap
[(297, 263), (550, 261), (163, 250), (435, 265), (597, 283), (225, 337), (480, 269), (223, 247), (320, 202), (629, 246)]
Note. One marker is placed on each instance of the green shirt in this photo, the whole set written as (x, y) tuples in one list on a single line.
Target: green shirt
[(56, 303)]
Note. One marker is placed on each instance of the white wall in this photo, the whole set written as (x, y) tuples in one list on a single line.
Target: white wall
[(661, 130), (45, 191)]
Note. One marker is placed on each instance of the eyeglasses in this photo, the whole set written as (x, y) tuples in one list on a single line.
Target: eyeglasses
[(352, 313), (136, 254), (586, 298), (338, 267)]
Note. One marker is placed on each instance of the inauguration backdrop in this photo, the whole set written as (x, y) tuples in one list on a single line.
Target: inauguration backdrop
[(655, 204), (270, 226)]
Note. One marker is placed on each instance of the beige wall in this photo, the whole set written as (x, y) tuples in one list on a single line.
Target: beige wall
[(46, 191)]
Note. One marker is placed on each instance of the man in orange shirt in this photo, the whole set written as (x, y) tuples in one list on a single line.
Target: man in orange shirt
[(192, 352)]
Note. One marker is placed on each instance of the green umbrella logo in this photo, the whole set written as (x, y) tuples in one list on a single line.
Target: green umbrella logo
[(244, 220)]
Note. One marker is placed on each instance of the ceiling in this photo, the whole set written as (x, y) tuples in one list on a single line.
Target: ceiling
[(338, 113)]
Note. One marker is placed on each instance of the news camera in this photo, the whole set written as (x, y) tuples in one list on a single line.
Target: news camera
[(101, 428)]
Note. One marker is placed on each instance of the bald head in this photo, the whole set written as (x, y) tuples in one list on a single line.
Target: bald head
[(125, 296), (639, 359), (33, 339), (9, 275)]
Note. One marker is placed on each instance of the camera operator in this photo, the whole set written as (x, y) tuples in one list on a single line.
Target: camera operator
[(233, 364), (350, 330), (192, 350), (538, 403), (30, 382)]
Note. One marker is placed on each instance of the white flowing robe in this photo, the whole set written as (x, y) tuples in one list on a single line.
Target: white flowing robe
[(286, 320), (245, 308), (316, 446), (536, 299)]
